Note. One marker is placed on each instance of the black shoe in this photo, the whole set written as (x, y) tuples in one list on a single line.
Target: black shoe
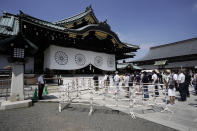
[(40, 98)]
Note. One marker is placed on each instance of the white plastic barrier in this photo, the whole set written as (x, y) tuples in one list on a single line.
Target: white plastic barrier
[(84, 91)]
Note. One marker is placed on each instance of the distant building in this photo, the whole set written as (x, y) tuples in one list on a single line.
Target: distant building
[(79, 44), (181, 54), (128, 67)]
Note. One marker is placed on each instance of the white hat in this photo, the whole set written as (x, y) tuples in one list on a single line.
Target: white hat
[(116, 72), (156, 71), (168, 71)]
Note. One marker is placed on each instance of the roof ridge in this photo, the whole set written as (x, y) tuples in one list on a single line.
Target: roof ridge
[(88, 9), (177, 42)]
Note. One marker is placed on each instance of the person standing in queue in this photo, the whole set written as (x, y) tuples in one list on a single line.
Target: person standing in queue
[(170, 84), (195, 83), (116, 81), (126, 81), (175, 77), (187, 82), (155, 82), (96, 82), (181, 86), (40, 86), (145, 81)]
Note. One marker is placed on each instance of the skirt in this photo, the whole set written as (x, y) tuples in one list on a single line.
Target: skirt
[(171, 92)]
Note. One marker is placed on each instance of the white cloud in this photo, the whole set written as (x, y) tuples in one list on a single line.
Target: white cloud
[(128, 38), (145, 46), (195, 5)]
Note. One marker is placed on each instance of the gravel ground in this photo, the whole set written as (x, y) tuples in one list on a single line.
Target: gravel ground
[(45, 117)]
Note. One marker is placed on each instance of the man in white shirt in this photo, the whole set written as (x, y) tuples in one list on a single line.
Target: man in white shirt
[(106, 82), (116, 81), (40, 86), (175, 77), (181, 85), (126, 80), (155, 82)]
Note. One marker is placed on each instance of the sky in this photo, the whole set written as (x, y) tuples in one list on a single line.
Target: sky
[(145, 23)]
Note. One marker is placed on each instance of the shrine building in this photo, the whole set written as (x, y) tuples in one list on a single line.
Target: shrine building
[(80, 44)]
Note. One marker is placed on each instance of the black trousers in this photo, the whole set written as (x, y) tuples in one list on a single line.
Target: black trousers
[(183, 91), (156, 91), (146, 93), (40, 91), (187, 89), (176, 86)]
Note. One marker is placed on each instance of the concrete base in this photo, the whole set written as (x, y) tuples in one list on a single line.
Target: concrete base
[(17, 104)]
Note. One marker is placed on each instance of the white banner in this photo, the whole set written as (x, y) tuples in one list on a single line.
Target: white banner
[(62, 58)]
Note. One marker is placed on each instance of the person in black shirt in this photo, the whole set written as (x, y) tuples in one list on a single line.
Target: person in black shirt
[(145, 81), (95, 78), (187, 82)]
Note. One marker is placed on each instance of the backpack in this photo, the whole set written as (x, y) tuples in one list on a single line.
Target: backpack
[(171, 82)]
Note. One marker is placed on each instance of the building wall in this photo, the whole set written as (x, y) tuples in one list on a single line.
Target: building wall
[(4, 61), (29, 66)]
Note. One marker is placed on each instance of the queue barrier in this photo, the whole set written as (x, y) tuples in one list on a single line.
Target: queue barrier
[(84, 91)]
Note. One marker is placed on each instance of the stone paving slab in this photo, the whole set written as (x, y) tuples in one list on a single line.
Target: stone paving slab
[(184, 115)]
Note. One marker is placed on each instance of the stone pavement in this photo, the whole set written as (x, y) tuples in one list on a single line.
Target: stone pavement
[(45, 117), (184, 115)]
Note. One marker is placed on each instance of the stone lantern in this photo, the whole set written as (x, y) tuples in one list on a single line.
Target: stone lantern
[(17, 47), (17, 82)]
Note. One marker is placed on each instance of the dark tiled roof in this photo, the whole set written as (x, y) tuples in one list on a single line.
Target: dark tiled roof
[(125, 65), (182, 64), (9, 24), (181, 48), (100, 26)]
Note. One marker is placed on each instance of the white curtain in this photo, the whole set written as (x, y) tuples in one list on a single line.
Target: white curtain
[(62, 58)]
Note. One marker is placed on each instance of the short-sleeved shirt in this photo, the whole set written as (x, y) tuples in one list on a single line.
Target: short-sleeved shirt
[(181, 78), (41, 79), (126, 79), (145, 79), (168, 77), (105, 77), (154, 78), (116, 78), (175, 77)]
